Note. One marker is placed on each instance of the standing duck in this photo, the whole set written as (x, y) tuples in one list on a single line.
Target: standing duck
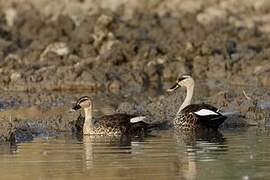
[(194, 116), (111, 125)]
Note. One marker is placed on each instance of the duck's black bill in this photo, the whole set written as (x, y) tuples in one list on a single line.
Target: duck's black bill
[(173, 88), (76, 107)]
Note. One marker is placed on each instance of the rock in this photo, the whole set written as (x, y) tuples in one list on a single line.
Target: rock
[(7, 131), (211, 15), (83, 33), (87, 50), (231, 48), (222, 99), (263, 80), (217, 67), (59, 48), (11, 15), (126, 107), (254, 114), (15, 76), (22, 135), (114, 86), (103, 21), (200, 64)]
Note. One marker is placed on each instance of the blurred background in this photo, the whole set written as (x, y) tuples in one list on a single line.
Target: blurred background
[(132, 45)]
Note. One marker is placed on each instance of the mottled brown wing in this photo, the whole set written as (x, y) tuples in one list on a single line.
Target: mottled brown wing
[(115, 120), (210, 121), (196, 107)]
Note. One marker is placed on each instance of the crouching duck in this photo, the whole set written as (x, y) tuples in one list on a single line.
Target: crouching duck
[(111, 125), (194, 116)]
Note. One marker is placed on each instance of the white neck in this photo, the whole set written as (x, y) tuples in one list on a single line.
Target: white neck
[(187, 101), (88, 124)]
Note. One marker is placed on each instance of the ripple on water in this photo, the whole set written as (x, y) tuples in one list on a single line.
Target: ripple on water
[(238, 154)]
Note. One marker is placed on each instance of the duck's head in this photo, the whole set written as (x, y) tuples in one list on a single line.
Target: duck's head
[(183, 80), (82, 102)]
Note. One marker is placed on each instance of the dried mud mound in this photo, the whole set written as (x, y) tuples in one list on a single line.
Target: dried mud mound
[(19, 129), (113, 45)]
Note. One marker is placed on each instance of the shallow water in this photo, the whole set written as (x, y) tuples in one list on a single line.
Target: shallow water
[(234, 154)]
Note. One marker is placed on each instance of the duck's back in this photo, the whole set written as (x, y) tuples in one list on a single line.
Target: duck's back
[(118, 124), (199, 116), (197, 107)]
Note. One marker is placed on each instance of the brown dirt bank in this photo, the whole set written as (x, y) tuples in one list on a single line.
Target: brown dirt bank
[(25, 123), (112, 45), (80, 45)]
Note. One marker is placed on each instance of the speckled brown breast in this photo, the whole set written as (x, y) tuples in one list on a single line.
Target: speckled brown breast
[(107, 131), (186, 122)]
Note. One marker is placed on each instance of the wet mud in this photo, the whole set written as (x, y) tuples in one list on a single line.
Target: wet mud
[(113, 46), (27, 115), (24, 124)]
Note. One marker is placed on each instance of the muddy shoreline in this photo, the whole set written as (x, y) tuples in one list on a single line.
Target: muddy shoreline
[(112, 46), (26, 118)]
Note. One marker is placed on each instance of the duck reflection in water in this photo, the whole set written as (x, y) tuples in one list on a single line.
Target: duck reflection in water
[(192, 137), (200, 145), (106, 148)]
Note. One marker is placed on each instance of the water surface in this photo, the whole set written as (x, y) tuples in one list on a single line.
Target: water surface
[(233, 154)]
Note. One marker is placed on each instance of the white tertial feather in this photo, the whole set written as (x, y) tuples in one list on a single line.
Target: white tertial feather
[(137, 119), (205, 112)]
